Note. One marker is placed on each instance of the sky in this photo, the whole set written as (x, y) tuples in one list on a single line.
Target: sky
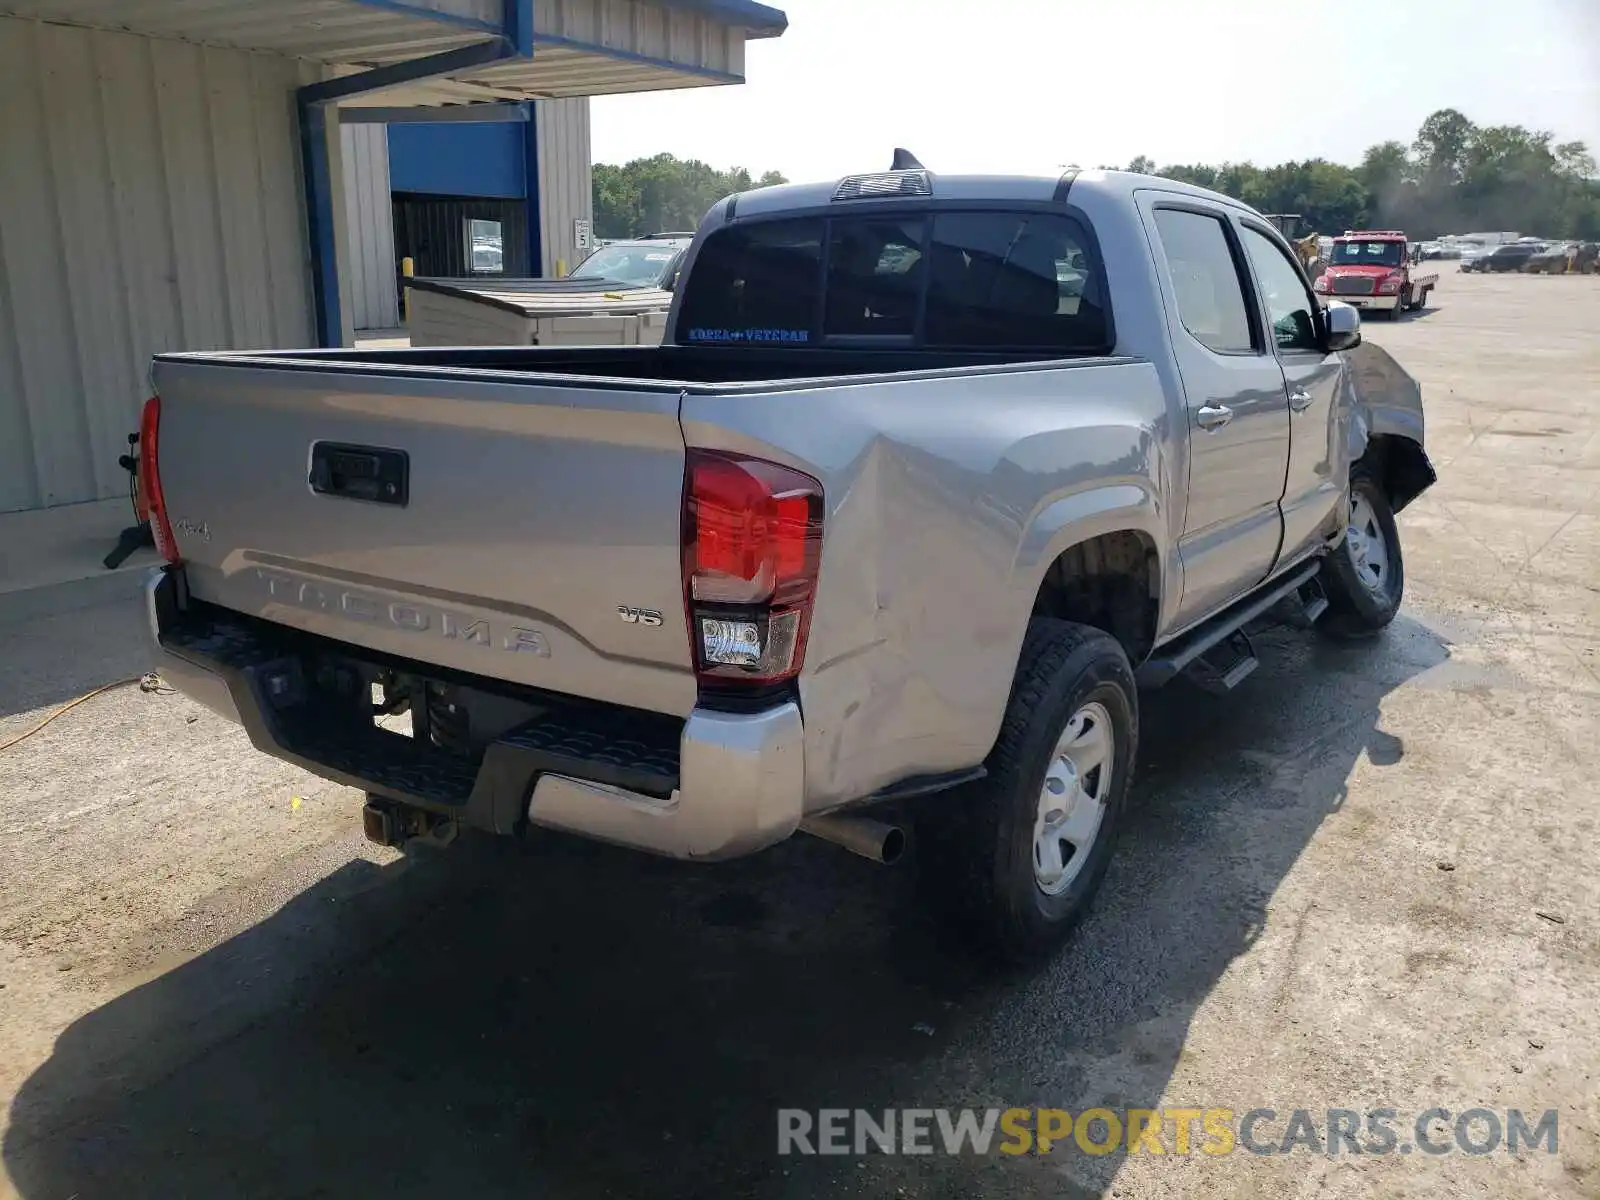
[(1030, 86)]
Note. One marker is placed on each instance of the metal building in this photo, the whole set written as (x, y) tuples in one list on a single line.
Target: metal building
[(172, 177), (523, 173), (566, 179)]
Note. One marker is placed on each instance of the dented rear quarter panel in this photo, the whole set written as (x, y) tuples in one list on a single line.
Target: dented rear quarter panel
[(948, 497)]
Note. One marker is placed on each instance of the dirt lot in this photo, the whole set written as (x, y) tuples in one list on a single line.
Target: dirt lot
[(1366, 879)]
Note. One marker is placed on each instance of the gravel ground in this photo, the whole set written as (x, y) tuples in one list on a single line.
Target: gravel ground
[(1365, 879)]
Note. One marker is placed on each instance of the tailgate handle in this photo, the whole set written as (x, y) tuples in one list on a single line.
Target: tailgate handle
[(360, 473)]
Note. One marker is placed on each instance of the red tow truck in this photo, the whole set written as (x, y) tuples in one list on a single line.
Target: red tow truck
[(1374, 268)]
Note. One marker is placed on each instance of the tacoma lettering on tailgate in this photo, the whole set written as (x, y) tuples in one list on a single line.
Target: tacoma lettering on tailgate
[(400, 614)]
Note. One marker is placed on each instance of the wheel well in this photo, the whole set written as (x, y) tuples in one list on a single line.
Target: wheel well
[(1399, 465), (1112, 582)]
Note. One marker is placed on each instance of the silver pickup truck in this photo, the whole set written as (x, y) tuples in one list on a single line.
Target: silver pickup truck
[(931, 475)]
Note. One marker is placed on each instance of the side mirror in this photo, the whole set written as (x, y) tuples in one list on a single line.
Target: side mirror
[(1343, 324)]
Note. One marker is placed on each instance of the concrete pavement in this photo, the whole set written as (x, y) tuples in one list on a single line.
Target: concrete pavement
[(1336, 890)]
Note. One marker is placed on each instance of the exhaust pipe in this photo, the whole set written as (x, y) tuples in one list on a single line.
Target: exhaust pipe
[(860, 835)]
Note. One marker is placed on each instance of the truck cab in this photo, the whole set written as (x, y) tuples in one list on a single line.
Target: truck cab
[(1375, 269)]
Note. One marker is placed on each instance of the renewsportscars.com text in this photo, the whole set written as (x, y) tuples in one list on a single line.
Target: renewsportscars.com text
[(1175, 1131)]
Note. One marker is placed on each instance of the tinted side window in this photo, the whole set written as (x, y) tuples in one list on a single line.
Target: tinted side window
[(755, 283), (1210, 299), (1020, 280), (874, 276), (1288, 303)]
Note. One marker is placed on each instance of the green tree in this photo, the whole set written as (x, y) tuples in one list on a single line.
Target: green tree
[(1574, 160), (1441, 147), (1579, 212), (1386, 165), (663, 192), (1388, 173), (616, 201), (1326, 195), (1197, 174), (1454, 177)]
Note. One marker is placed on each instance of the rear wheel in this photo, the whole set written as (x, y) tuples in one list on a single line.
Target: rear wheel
[(1364, 577), (1016, 857)]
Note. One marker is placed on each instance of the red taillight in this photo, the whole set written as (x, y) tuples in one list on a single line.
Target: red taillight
[(150, 480), (752, 535)]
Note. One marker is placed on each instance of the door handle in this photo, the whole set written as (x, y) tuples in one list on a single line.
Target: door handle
[(1299, 400), (1213, 416), (360, 473)]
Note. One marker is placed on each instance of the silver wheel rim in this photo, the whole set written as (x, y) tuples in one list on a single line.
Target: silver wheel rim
[(1369, 551), (1072, 802)]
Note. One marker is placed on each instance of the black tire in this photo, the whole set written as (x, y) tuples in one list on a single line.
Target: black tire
[(1354, 604), (1400, 303), (976, 845)]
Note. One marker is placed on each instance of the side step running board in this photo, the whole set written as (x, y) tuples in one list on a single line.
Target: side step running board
[(1226, 665), (1303, 609), (1171, 660)]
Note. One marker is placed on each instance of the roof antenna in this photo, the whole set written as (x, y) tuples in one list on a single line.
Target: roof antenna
[(904, 160)]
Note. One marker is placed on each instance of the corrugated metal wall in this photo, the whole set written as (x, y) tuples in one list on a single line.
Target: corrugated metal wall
[(432, 230), (566, 178), (373, 296), (428, 227), (149, 200)]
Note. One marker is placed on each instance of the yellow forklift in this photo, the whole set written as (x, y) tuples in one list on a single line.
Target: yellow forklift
[(1307, 246)]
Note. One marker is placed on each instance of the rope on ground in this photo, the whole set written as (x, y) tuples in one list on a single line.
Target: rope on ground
[(148, 682)]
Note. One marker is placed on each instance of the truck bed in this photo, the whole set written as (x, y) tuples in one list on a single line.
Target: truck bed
[(515, 501), (651, 366)]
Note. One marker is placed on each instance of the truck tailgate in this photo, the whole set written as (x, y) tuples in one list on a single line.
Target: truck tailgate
[(491, 523)]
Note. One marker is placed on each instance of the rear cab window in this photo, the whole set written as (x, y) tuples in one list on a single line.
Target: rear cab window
[(1020, 280), (758, 284), (874, 279), (946, 279)]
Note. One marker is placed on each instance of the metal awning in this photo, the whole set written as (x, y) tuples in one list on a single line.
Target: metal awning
[(579, 47), (403, 54)]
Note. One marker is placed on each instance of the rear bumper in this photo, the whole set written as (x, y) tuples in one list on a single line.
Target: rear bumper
[(722, 785)]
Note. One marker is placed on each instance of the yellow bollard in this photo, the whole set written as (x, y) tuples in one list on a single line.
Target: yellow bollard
[(408, 268), (561, 268)]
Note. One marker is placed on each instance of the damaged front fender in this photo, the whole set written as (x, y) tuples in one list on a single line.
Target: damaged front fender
[(1386, 424)]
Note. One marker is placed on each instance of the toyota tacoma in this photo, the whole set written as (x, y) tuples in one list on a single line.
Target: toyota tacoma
[(932, 474)]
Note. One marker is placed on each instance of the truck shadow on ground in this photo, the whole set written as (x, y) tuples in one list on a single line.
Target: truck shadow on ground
[(565, 1018)]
